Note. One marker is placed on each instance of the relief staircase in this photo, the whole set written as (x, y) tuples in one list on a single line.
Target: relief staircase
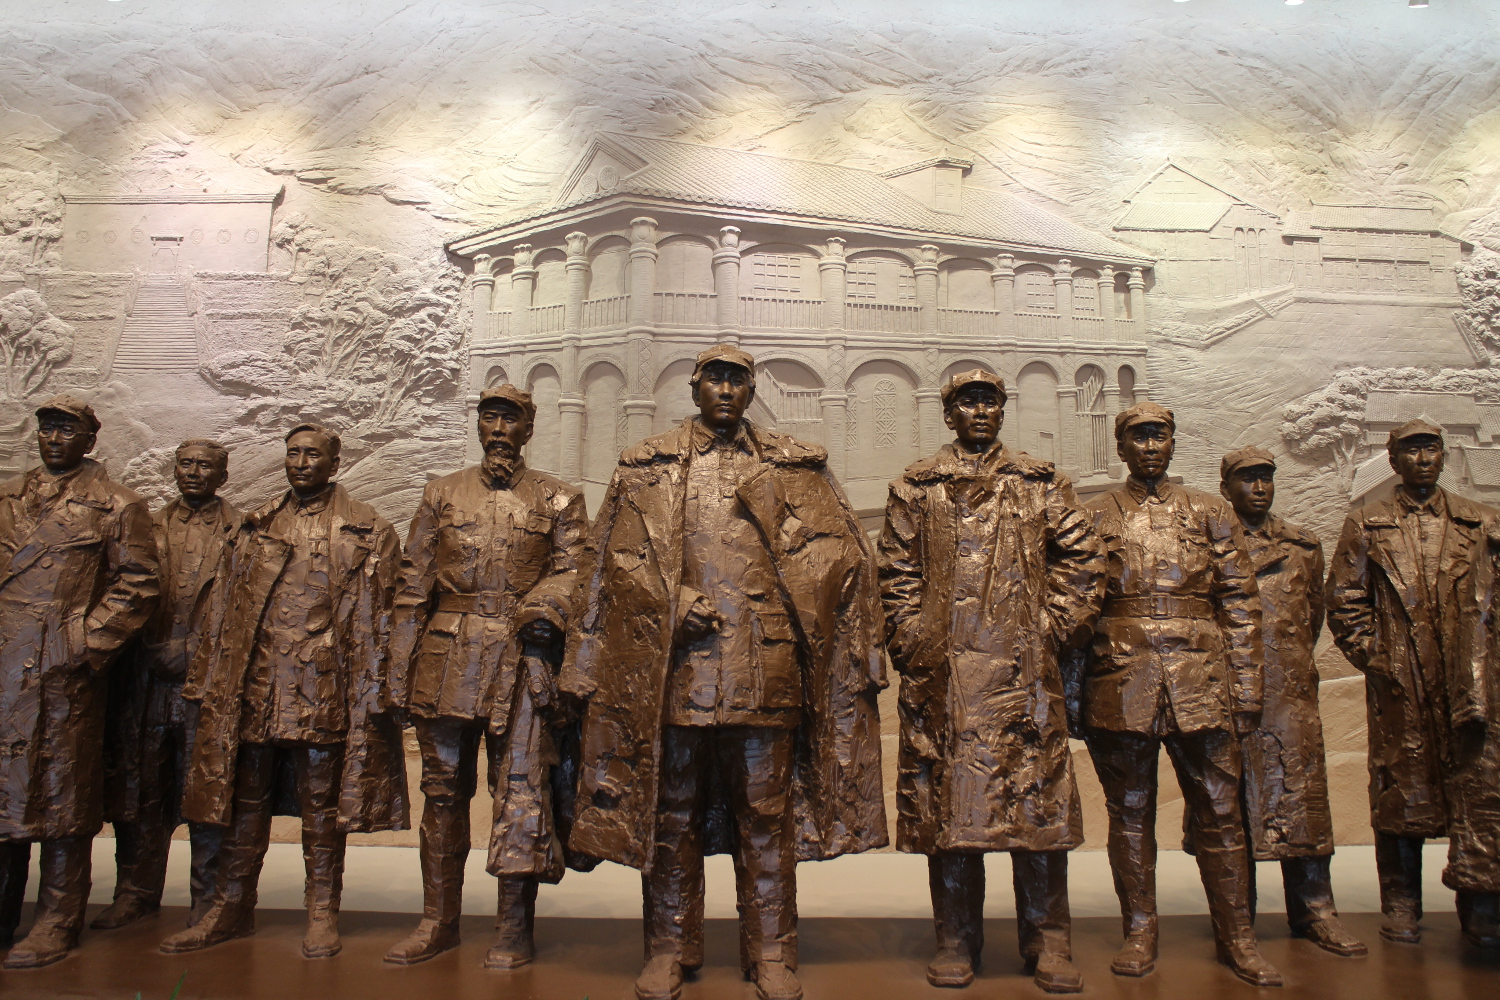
[(159, 334)]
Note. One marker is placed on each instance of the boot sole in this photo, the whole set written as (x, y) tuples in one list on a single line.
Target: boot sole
[(953, 982), (180, 950), (40, 962), (1132, 971), (1412, 938), (506, 964), (418, 959)]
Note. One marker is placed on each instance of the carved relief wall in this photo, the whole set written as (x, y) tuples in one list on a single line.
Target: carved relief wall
[(1281, 221)]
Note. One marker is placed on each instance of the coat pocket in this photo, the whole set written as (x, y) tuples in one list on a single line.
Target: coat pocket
[(781, 676)]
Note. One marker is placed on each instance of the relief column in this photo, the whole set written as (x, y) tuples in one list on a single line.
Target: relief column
[(570, 401), (1003, 279), (926, 271), (522, 283), (1138, 301), (1107, 303), (482, 290), (640, 333), (833, 402), (1062, 285), (726, 263)]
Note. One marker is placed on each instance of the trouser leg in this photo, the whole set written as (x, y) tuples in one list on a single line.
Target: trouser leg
[(1398, 864), (758, 763), (320, 771), (957, 883), (449, 748), (15, 867), (1309, 890), (672, 890), (64, 882), (249, 833), (1042, 918), (1126, 765), (1208, 769), (204, 844)]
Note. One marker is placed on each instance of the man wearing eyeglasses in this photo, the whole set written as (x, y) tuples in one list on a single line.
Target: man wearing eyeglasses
[(78, 578)]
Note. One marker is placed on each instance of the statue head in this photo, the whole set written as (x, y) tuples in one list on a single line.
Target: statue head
[(66, 429), (723, 383), (1144, 439), (974, 408), (1416, 453), (201, 467), (1247, 479), (312, 458), (507, 417)]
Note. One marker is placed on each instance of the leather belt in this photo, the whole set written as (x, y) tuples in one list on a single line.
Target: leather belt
[(470, 604), (1159, 607)]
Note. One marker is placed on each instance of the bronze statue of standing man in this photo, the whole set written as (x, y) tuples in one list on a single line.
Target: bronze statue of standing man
[(1286, 777), (727, 644), (297, 676), (481, 605), (989, 568), (1176, 661), (80, 579), (1411, 603), (154, 739)]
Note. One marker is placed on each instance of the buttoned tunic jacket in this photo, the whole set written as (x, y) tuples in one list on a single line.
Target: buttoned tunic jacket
[(1286, 776), (484, 558), (352, 687), (989, 567), (629, 605), (80, 578), (1427, 653), (1184, 653)]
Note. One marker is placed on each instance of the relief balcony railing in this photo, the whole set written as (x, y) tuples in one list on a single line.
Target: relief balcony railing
[(495, 326), (1126, 330), (547, 319), (1090, 329), (605, 313), (1037, 325), (686, 308), (881, 317), (780, 314), (969, 322)]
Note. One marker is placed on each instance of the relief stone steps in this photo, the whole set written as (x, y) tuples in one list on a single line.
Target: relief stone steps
[(159, 333)]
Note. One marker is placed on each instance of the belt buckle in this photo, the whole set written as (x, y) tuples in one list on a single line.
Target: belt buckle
[(1160, 608)]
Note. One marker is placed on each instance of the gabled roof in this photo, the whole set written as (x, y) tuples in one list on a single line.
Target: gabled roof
[(1237, 199), (1384, 218), (1484, 466), (822, 193), (1446, 409), (1489, 420), (1174, 216)]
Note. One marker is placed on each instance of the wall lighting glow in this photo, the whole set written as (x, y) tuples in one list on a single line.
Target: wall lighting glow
[(1293, 3), (1416, 3)]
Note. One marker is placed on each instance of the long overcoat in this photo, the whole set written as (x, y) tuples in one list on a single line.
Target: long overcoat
[(79, 579), (363, 558), (620, 651), (1427, 671), (987, 571), (1286, 775), (136, 692), (480, 564)]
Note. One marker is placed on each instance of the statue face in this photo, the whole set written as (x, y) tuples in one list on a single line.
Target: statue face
[(1418, 460), (1146, 449), (200, 472), (1250, 491), (975, 416), (503, 428), (62, 440), (310, 463), (722, 394)]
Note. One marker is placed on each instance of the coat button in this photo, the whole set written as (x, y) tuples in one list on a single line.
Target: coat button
[(46, 562)]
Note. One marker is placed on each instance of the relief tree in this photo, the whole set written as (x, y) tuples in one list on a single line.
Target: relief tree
[(33, 342)]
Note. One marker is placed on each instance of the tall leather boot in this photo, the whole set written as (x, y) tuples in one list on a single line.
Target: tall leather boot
[(1398, 863), (515, 918), (325, 886), (1227, 884), (61, 899), (1043, 922), (1479, 916), (15, 866), (1310, 909), (443, 849), (1132, 863), (957, 884), (205, 843)]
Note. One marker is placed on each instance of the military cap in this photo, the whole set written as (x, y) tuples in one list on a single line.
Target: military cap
[(1145, 412), (1411, 429), (723, 352), (510, 394), (950, 388), (1245, 458), (73, 407)]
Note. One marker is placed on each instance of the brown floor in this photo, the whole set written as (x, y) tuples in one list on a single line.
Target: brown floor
[(841, 960)]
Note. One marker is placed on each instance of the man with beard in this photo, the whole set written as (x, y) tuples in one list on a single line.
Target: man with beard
[(1411, 603), (727, 645), (80, 579), (155, 736), (990, 569), (1286, 778), (296, 677), (481, 604), (1176, 660)]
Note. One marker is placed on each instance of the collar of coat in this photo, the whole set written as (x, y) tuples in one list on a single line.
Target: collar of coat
[(1140, 490), (212, 510), (89, 482), (678, 445), (953, 462), (355, 516), (1277, 530), (1386, 513)]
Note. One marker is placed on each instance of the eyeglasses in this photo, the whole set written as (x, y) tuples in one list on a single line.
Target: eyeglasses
[(65, 431)]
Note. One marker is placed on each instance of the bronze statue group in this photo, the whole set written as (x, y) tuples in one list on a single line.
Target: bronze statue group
[(697, 672)]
